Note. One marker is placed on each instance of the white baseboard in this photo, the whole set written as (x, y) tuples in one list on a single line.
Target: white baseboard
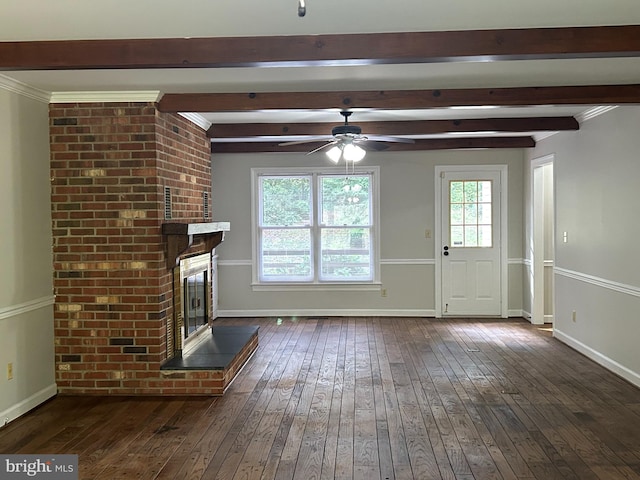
[(606, 362), (19, 409), (328, 312), (343, 313)]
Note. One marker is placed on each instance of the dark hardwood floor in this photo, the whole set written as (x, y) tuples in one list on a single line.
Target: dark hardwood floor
[(365, 398)]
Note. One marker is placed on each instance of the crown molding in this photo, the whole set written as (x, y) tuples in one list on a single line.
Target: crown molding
[(106, 96), (594, 112), (7, 83), (198, 119)]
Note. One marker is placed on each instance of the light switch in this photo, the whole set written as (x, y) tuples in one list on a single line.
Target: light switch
[(565, 237)]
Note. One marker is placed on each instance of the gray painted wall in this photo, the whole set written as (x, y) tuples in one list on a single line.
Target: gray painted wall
[(406, 211), (597, 271), (26, 299)]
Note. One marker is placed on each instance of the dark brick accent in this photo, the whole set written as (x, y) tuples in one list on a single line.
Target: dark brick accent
[(70, 358), (134, 350), (65, 121)]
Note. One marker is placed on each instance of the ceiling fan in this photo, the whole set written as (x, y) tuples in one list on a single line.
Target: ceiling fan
[(348, 142)]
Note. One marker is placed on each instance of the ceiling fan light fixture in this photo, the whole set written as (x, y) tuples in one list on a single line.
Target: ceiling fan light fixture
[(353, 153), (334, 153)]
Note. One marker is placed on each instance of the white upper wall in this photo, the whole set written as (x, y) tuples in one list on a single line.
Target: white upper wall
[(73, 19)]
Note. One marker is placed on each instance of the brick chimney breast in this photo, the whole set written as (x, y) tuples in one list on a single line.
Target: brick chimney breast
[(110, 165)]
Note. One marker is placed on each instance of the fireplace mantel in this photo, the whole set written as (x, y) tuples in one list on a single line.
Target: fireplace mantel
[(180, 236)]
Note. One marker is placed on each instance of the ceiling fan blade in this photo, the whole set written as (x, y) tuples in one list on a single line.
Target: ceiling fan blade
[(322, 147), (307, 140), (374, 146), (383, 138)]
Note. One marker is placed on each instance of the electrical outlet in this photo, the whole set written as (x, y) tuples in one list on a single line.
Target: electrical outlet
[(383, 292), (573, 316), (9, 371), (427, 233)]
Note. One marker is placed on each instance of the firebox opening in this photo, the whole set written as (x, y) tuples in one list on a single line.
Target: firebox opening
[(195, 305), (193, 299)]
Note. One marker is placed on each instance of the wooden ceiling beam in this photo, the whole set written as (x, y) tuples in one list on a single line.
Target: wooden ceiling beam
[(418, 127), (424, 144), (331, 49), (402, 99)]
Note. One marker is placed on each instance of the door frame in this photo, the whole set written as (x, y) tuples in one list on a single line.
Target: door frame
[(503, 171), (538, 220)]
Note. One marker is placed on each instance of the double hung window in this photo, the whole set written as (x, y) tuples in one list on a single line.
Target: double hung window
[(315, 226)]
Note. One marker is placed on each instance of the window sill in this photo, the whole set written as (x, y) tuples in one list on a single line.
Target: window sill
[(304, 287)]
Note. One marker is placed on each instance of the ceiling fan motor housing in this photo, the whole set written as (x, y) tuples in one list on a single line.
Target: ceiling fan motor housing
[(346, 130)]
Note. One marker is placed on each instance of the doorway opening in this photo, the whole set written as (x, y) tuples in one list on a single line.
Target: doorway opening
[(543, 245)]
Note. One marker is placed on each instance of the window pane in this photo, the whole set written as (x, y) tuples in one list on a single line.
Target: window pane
[(471, 236), (314, 227), (457, 217), (345, 254), (484, 214), (470, 219), (484, 236), (286, 254), (457, 236), (470, 192), (286, 201), (345, 201), (484, 191), (470, 213), (455, 190)]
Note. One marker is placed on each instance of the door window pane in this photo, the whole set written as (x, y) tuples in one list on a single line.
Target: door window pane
[(484, 214), (484, 236), (470, 213), (456, 190), (457, 217), (484, 191), (457, 235)]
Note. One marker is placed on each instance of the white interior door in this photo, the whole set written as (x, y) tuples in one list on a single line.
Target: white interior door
[(470, 260)]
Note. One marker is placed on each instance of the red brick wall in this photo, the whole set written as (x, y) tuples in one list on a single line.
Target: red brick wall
[(110, 163)]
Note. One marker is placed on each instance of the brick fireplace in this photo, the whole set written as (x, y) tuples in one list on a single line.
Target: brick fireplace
[(119, 171)]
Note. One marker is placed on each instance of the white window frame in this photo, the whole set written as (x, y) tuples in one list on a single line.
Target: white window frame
[(315, 283)]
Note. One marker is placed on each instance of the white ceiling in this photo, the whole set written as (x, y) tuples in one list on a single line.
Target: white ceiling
[(74, 19), (71, 19)]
